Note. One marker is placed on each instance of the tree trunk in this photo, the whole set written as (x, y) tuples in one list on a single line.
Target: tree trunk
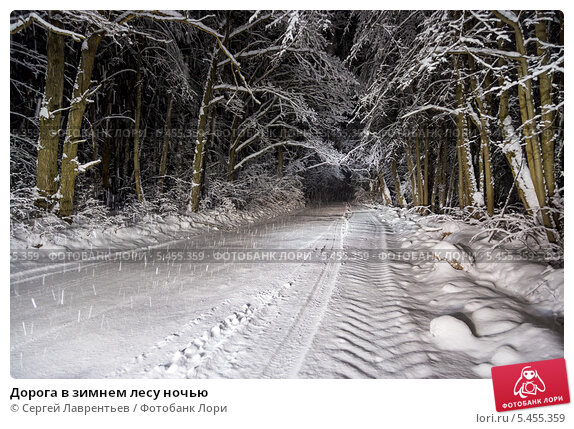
[(107, 151), (280, 162), (210, 140), (468, 186), (426, 170), (400, 199), (372, 189), (483, 129), (547, 115), (450, 193), (462, 197), (488, 178), (197, 175), (460, 133), (50, 119), (138, 113), (232, 146), (73, 131), (529, 126), (410, 166), (419, 181), (444, 159), (384, 189), (436, 176), (181, 155), (513, 151), (127, 173), (165, 147), (533, 145)]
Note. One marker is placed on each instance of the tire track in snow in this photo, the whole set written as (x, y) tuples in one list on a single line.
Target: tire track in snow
[(369, 330), (288, 358), (135, 365), (214, 353), (199, 355)]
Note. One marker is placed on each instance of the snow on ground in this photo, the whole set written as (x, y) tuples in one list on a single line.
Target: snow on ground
[(498, 312), (361, 306), (115, 233), (52, 232)]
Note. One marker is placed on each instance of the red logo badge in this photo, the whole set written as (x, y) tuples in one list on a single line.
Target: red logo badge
[(529, 385)]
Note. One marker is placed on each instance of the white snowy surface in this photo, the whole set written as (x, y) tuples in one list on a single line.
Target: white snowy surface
[(360, 318), (153, 229)]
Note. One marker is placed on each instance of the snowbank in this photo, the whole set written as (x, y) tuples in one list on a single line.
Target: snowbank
[(138, 229), (486, 299)]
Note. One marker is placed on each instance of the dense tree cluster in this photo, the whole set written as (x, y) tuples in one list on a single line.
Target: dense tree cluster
[(465, 107), (425, 108), (135, 105)]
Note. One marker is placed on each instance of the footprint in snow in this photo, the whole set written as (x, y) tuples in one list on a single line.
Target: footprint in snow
[(450, 288), (451, 333)]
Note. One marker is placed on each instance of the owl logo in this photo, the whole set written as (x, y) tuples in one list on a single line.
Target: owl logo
[(529, 383)]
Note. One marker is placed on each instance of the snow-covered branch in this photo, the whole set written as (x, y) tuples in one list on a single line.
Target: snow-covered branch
[(23, 22)]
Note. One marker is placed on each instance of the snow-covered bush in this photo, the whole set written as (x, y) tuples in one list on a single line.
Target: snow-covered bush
[(261, 192), (506, 228), (362, 195)]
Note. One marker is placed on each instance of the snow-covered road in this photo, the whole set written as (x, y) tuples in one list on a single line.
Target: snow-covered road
[(364, 317)]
